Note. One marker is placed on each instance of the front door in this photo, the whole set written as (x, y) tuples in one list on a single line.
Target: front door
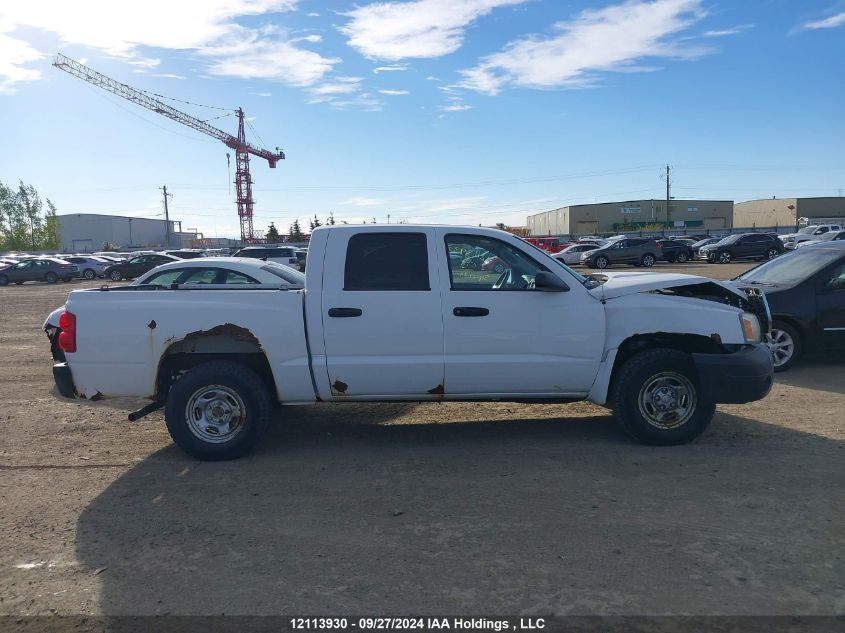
[(830, 302), (382, 324), (504, 337)]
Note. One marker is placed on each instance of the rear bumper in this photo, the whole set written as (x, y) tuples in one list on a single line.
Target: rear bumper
[(64, 380), (744, 376)]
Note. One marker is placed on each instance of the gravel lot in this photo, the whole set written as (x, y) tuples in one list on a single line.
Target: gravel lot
[(417, 509)]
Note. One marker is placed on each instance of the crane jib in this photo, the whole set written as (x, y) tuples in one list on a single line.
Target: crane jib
[(243, 181)]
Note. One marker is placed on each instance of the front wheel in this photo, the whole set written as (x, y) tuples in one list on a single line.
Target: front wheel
[(218, 411), (499, 269), (725, 257), (658, 400), (682, 258), (772, 253), (89, 274), (785, 344), (115, 275), (51, 277), (602, 262)]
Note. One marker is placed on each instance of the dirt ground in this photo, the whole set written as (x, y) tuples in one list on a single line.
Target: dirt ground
[(417, 509)]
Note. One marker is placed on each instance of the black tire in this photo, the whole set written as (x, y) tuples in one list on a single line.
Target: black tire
[(236, 379), (724, 257), (115, 275), (682, 258), (88, 273), (648, 260), (783, 334), (66, 279), (671, 260), (631, 384), (51, 277), (4, 280), (18, 283), (602, 262), (772, 253)]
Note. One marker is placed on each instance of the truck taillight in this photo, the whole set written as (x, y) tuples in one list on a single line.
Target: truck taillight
[(67, 337)]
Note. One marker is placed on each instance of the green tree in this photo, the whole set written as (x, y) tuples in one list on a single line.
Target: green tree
[(51, 239), (296, 232), (330, 220), (315, 222), (273, 234)]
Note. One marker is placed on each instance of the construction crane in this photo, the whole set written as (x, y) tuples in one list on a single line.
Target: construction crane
[(243, 181)]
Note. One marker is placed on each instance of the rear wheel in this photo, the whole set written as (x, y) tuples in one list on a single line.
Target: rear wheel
[(218, 411), (89, 274), (786, 345), (648, 260), (602, 261), (51, 277), (724, 257), (658, 400)]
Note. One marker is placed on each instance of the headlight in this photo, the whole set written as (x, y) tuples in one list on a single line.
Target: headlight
[(751, 327)]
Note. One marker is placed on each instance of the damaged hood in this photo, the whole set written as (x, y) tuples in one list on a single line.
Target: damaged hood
[(626, 283)]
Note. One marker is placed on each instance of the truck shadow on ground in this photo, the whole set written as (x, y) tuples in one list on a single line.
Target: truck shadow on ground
[(526, 515), (823, 372)]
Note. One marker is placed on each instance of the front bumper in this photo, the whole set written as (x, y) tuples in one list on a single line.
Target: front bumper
[(64, 380), (744, 376)]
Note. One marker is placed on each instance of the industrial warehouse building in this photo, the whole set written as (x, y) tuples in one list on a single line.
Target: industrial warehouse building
[(777, 212), (617, 217), (87, 232)]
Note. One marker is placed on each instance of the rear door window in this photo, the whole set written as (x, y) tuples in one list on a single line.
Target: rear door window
[(387, 261)]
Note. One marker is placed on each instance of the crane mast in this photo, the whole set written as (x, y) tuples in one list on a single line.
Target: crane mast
[(242, 149)]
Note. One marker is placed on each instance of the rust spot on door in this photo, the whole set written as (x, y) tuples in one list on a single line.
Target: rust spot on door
[(437, 391), (339, 388)]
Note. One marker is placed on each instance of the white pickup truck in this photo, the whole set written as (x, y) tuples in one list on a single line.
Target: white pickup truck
[(388, 313)]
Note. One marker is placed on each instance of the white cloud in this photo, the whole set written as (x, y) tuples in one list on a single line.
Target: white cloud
[(416, 29), (390, 69), (734, 30), (167, 75), (124, 29), (362, 202), (456, 107), (394, 92), (613, 38), (14, 53), (249, 54), (828, 23)]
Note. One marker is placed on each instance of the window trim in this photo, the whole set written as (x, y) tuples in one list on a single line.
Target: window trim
[(495, 239), (388, 234)]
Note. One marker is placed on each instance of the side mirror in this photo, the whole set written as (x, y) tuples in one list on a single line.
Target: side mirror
[(547, 282)]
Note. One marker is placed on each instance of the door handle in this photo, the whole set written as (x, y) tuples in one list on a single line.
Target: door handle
[(470, 312), (345, 313)]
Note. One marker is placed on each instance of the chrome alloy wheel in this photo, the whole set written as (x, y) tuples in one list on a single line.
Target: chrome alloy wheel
[(667, 400), (215, 414), (782, 347)]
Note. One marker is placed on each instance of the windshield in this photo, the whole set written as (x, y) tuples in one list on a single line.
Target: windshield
[(808, 229), (730, 239), (793, 268)]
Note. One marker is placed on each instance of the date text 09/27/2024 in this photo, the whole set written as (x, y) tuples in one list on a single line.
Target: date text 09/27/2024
[(415, 624)]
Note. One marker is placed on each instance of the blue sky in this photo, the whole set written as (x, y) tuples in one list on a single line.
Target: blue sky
[(457, 111)]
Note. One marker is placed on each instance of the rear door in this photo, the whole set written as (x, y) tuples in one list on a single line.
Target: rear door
[(381, 314)]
